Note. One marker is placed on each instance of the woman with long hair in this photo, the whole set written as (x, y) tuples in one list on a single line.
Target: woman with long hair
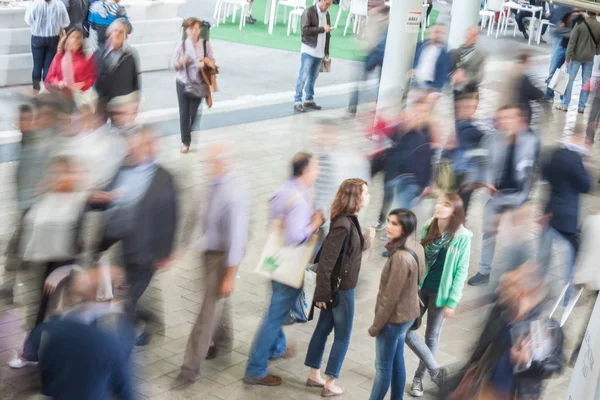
[(447, 245), (72, 72), (47, 19), (189, 58), (337, 276), (397, 303)]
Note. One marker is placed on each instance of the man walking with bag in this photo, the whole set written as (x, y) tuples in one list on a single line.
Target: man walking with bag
[(221, 236), (316, 33), (583, 46), (293, 203)]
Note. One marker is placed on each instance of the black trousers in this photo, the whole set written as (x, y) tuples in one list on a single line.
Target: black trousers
[(188, 112)]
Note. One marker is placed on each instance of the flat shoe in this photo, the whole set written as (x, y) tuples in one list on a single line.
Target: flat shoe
[(313, 384), (328, 393)]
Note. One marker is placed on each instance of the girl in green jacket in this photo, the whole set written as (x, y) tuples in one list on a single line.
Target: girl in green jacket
[(447, 245)]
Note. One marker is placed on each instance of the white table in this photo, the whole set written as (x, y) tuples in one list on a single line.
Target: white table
[(505, 14)]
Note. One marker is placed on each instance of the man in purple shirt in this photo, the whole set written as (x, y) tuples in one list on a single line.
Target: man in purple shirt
[(221, 236), (294, 202)]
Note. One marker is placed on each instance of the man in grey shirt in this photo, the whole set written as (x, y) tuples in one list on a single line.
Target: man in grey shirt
[(469, 63), (221, 235)]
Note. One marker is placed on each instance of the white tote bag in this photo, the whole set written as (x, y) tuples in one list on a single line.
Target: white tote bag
[(282, 263), (559, 81)]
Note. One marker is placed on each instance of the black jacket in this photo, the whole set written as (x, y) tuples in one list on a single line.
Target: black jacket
[(154, 222), (344, 229), (528, 383), (116, 79), (311, 28), (568, 178), (410, 154), (528, 92)]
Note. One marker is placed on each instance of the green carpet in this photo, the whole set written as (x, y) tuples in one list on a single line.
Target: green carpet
[(341, 46)]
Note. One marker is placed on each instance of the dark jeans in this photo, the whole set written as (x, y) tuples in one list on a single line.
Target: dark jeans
[(43, 50), (188, 112), (339, 319), (389, 362), (50, 267)]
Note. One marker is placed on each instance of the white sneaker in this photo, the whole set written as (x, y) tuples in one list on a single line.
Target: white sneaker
[(19, 363), (416, 389)]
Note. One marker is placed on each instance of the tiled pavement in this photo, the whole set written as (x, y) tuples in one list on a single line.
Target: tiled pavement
[(262, 151)]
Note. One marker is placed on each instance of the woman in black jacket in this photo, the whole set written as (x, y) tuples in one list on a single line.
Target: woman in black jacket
[(337, 275)]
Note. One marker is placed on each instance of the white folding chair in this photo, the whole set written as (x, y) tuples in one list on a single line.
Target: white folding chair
[(488, 14), (295, 16), (227, 7), (293, 4), (540, 27), (343, 6), (358, 12)]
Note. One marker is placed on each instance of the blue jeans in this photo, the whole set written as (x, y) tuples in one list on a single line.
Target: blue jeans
[(547, 238), (405, 190), (558, 59), (339, 319), (270, 340), (309, 71), (586, 74), (389, 362), (43, 50)]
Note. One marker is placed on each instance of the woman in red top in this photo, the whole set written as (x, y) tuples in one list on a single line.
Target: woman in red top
[(71, 70)]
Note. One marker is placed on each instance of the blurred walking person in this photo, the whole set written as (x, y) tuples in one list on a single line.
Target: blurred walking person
[(118, 82), (141, 188), (337, 276), (469, 156), (188, 59), (51, 231), (376, 38), (518, 88), (221, 235), (293, 201), (503, 364), (447, 245), (583, 46), (102, 14), (397, 304), (47, 18), (431, 66), (568, 179), (468, 65), (512, 155), (85, 351), (316, 34)]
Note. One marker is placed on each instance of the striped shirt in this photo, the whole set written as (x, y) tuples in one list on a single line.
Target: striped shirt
[(46, 18)]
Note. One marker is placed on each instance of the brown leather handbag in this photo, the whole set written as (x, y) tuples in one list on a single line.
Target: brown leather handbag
[(326, 64)]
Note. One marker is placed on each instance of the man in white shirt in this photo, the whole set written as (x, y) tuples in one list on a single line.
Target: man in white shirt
[(315, 47), (431, 66)]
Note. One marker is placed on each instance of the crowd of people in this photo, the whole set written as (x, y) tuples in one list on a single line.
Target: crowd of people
[(82, 157)]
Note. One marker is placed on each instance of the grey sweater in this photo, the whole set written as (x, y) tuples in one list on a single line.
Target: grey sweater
[(471, 60)]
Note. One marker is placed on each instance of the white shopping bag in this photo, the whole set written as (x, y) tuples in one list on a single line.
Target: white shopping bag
[(309, 288), (282, 263), (559, 81)]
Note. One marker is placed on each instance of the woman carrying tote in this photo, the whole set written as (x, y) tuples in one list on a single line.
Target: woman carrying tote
[(72, 72), (337, 275), (191, 89), (447, 245), (397, 303)]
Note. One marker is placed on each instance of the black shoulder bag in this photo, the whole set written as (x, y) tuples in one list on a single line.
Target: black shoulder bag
[(596, 50), (192, 88), (417, 324)]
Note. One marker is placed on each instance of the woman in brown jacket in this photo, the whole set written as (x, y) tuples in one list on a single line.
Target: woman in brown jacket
[(397, 303), (337, 275)]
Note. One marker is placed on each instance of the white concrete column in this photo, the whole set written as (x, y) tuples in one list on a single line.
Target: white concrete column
[(399, 53), (465, 14)]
